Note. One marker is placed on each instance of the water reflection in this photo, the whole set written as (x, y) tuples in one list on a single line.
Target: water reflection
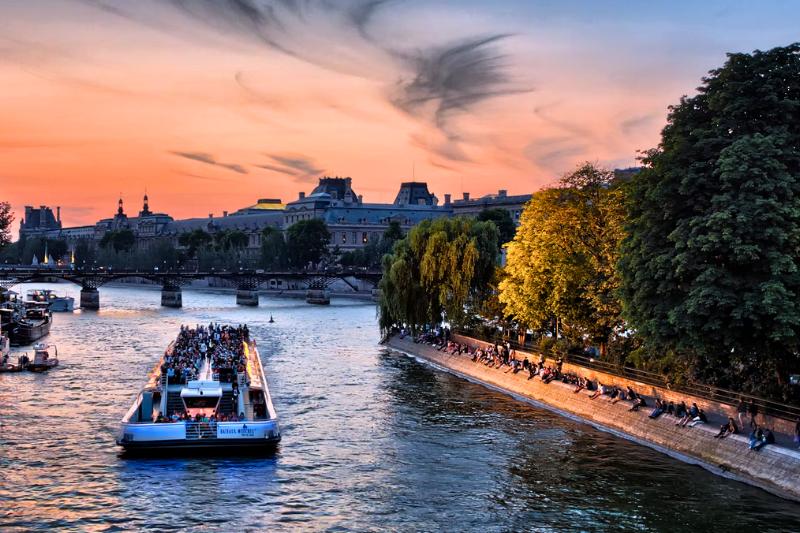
[(373, 440)]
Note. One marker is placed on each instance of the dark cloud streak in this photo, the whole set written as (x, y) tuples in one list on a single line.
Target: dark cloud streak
[(209, 159)]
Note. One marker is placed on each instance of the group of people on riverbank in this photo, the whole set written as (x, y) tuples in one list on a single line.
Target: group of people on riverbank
[(688, 416), (222, 345)]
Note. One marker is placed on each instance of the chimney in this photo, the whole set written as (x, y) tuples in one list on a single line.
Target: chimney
[(502, 193), (361, 198), (224, 213), (447, 199), (211, 215), (58, 213), (466, 196), (302, 195)]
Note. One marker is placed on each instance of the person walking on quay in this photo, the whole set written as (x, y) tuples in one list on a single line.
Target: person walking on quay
[(753, 410), (797, 432), (741, 411)]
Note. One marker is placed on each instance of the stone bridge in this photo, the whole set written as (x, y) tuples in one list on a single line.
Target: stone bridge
[(247, 282)]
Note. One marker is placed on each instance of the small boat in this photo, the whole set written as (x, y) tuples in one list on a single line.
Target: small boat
[(54, 302), (271, 320), (208, 392), (42, 360), (28, 324), (5, 352)]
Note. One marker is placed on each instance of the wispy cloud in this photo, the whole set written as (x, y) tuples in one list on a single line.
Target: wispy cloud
[(633, 124), (432, 83), (210, 160), (302, 168), (555, 153)]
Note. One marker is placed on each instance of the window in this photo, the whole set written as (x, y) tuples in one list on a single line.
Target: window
[(364, 238), (344, 238)]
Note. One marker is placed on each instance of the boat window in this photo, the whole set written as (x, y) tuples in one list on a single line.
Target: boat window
[(202, 402)]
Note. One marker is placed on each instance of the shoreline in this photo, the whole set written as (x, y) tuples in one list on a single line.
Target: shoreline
[(774, 469)]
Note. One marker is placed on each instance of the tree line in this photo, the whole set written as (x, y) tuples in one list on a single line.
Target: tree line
[(689, 266)]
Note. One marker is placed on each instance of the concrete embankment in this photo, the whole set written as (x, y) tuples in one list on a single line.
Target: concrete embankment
[(774, 468)]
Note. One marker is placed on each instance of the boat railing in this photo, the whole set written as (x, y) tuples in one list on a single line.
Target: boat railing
[(201, 430)]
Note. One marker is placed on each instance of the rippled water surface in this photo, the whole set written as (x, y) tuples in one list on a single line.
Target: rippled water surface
[(372, 440)]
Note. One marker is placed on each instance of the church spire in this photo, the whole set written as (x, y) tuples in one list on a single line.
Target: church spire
[(120, 211), (145, 206)]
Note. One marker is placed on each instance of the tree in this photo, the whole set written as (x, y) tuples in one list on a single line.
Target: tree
[(193, 241), (562, 261), (502, 219), (6, 218), (370, 256), (307, 242), (273, 249), (440, 270), (711, 266), (118, 240)]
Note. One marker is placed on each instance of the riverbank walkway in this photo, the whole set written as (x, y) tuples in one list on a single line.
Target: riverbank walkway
[(784, 441)]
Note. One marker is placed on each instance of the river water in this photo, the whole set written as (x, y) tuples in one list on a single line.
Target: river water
[(372, 440)]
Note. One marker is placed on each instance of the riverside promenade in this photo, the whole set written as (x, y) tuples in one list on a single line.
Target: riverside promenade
[(773, 468)]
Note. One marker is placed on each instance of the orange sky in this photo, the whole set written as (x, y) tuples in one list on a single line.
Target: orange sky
[(211, 107)]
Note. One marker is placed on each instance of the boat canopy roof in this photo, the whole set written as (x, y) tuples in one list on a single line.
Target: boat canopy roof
[(197, 389)]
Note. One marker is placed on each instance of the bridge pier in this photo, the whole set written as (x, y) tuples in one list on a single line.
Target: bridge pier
[(171, 297), (90, 298), (376, 295), (318, 296), (247, 297)]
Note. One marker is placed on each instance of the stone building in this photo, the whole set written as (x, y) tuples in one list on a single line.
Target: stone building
[(472, 206), (352, 222)]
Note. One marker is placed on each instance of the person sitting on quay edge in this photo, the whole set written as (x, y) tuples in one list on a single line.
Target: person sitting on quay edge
[(601, 389), (671, 408), (699, 419), (727, 429), (693, 412), (658, 410), (680, 411), (638, 401), (760, 438)]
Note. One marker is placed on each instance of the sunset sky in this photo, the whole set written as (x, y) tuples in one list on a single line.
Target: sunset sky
[(211, 104)]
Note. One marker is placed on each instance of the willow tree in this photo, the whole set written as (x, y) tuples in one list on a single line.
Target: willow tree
[(711, 267), (561, 263), (439, 271)]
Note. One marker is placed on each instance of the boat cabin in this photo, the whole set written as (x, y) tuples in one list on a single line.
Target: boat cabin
[(201, 397)]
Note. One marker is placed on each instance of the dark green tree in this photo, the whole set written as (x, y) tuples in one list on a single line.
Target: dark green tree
[(307, 242), (711, 265), (193, 241), (273, 249), (502, 219), (6, 218), (118, 240)]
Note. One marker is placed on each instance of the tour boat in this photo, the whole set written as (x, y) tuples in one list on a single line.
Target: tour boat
[(219, 409), (55, 303), (42, 360)]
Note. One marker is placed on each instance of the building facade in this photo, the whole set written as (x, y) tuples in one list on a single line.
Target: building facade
[(352, 222)]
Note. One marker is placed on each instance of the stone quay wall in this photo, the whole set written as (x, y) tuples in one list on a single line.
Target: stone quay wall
[(773, 468), (777, 425)]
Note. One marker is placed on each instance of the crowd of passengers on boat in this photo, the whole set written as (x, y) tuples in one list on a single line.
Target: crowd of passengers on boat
[(223, 345)]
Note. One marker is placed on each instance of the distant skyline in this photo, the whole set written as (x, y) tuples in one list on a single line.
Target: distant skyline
[(211, 104)]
